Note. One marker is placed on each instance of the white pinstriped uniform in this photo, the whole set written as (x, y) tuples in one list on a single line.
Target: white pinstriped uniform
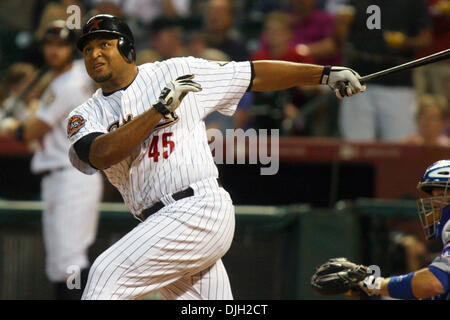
[(70, 198), (178, 249)]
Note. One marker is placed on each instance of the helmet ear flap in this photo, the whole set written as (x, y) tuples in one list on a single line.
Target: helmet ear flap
[(126, 49)]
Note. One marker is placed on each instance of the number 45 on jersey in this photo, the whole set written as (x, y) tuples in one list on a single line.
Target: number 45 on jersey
[(167, 146)]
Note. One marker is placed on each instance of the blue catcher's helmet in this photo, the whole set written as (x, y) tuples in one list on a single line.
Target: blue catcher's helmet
[(434, 211)]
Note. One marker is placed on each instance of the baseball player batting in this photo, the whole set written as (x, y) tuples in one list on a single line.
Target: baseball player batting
[(144, 128), (338, 275), (70, 198)]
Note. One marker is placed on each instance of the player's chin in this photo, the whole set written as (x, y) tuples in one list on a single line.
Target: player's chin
[(101, 76)]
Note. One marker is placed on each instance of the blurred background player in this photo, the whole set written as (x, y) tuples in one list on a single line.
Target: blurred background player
[(70, 198)]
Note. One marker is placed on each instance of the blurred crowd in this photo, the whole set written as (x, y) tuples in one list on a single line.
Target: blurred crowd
[(408, 107)]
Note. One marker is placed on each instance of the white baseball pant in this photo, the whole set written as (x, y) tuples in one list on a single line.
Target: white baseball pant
[(70, 217), (177, 250)]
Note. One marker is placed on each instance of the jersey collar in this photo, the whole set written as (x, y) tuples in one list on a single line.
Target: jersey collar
[(106, 94)]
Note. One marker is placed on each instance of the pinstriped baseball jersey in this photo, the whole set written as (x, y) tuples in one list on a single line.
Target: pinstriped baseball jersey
[(176, 154), (56, 103)]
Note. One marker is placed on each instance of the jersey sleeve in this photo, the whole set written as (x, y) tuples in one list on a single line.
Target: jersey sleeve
[(223, 84), (81, 122)]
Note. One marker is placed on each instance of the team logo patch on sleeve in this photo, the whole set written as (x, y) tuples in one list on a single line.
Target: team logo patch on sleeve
[(76, 122)]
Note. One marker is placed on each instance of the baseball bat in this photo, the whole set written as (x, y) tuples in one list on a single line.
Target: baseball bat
[(9, 110), (439, 56)]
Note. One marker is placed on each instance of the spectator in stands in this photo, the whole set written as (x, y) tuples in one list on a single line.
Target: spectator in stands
[(146, 11), (276, 44), (432, 78), (167, 38), (314, 31), (146, 56), (431, 117), (218, 20), (114, 8), (198, 47), (278, 41), (332, 6), (447, 81), (313, 34), (386, 110)]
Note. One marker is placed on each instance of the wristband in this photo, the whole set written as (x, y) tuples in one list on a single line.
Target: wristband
[(325, 74), (400, 287), (161, 108)]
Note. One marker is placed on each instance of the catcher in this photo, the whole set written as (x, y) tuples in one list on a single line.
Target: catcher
[(340, 276)]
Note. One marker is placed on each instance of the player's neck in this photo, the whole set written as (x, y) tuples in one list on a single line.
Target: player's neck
[(120, 81)]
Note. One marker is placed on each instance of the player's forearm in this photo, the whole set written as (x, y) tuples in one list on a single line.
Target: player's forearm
[(113, 147), (280, 75), (423, 284), (34, 128)]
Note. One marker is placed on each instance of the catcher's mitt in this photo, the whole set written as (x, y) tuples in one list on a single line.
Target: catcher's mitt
[(338, 276)]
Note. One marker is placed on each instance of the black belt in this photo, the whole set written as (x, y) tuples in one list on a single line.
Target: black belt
[(189, 192)]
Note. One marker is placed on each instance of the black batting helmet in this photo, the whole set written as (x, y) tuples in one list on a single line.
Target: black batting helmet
[(106, 23), (58, 30)]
